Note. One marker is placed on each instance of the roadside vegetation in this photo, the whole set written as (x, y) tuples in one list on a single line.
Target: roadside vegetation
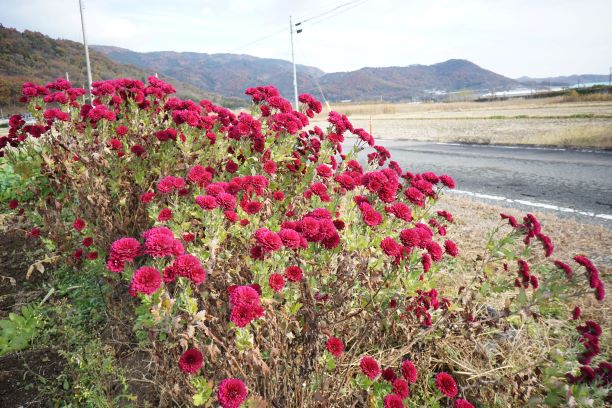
[(182, 255)]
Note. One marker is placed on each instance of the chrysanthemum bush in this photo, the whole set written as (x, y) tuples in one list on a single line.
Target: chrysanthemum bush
[(271, 261)]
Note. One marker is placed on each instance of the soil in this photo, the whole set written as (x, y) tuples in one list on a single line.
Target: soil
[(22, 373), (15, 289)]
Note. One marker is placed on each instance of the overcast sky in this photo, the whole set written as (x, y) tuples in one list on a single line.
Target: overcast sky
[(510, 37)]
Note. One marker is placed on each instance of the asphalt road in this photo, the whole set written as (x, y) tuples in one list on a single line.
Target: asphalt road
[(571, 182)]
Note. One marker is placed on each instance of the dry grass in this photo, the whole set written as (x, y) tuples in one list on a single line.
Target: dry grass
[(545, 107), (531, 122), (498, 364)]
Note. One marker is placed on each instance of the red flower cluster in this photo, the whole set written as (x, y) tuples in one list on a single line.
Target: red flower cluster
[(590, 332), (526, 278), (421, 304), (160, 242), (595, 281), (246, 305), (169, 184), (188, 266)]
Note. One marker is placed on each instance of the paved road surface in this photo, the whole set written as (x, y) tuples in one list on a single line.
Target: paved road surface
[(577, 181)]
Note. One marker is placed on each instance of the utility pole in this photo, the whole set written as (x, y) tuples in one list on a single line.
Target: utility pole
[(295, 91), (86, 49), (610, 77)]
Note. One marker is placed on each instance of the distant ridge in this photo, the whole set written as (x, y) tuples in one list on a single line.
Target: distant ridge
[(225, 74), (230, 74), (32, 56), (223, 78), (414, 81)]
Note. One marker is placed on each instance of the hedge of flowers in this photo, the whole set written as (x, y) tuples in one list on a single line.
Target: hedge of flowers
[(267, 260)]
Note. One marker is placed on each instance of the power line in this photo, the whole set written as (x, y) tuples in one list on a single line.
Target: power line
[(336, 10), (329, 11), (356, 4), (258, 40)]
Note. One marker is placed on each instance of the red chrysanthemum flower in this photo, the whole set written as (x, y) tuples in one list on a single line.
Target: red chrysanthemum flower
[(125, 249), (276, 282), (451, 248), (191, 361), (401, 388), (268, 240), (290, 238), (278, 195), (115, 265), (232, 393), (434, 250), (207, 202), (87, 242), (251, 207), (189, 266), (231, 166), (410, 237), (369, 367), (121, 130), (576, 313), (569, 273), (461, 403), (393, 401), (78, 224), (145, 280), (335, 346), (164, 215), (388, 374), (294, 274), (34, 232), (391, 247), (409, 371), (324, 171), (446, 384), (269, 167), (160, 242), (447, 181), (415, 196), (246, 305), (115, 144), (199, 175), (147, 197), (426, 262), (13, 204), (369, 215)]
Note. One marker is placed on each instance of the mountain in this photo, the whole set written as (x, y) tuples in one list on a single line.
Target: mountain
[(32, 56), (225, 74), (231, 74), (414, 81), (563, 80)]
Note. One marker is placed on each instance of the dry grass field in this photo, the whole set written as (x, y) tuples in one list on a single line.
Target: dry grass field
[(551, 121)]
